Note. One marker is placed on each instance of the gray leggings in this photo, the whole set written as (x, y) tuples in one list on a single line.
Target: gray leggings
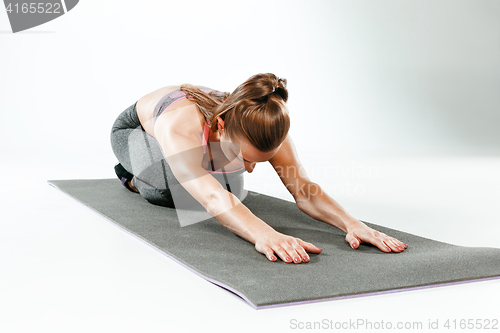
[(141, 155)]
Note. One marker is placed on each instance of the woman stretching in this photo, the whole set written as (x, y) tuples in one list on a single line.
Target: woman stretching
[(182, 146)]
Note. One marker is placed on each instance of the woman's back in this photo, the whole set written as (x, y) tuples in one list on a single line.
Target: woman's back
[(146, 106), (154, 107)]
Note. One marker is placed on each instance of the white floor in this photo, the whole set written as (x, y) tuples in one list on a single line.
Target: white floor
[(66, 269)]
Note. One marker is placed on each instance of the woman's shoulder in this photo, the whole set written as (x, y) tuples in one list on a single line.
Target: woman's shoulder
[(182, 129)]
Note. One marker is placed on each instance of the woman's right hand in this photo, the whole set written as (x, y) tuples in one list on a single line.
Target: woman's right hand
[(288, 248)]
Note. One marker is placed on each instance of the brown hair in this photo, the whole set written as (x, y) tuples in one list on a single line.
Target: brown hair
[(255, 110)]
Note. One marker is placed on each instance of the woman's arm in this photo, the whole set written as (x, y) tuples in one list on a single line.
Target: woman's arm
[(181, 148), (311, 200)]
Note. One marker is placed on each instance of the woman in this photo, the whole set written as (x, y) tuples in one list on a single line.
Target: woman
[(185, 144)]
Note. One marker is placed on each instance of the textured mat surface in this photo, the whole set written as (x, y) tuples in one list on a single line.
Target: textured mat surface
[(223, 258)]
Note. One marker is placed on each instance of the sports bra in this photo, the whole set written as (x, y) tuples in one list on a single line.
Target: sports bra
[(177, 95)]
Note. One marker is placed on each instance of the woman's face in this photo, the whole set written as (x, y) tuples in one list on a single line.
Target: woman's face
[(242, 152)]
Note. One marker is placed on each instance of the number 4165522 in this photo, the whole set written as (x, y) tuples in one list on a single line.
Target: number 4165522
[(476, 324), (32, 8)]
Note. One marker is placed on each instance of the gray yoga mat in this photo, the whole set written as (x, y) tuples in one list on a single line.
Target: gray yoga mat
[(227, 260)]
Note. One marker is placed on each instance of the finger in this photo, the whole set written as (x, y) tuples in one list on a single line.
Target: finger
[(301, 252), (399, 243), (396, 245), (308, 246), (379, 243), (378, 239), (353, 240), (292, 253), (393, 244), (282, 254), (269, 253)]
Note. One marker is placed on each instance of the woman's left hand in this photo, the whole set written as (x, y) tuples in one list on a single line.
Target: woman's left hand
[(358, 233)]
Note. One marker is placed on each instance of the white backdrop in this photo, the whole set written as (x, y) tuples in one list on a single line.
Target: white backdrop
[(364, 75), (404, 80)]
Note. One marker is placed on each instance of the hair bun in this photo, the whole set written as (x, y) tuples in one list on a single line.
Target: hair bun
[(265, 85), (280, 89), (282, 93)]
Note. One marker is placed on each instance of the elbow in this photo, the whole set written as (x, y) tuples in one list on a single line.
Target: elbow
[(303, 202), (302, 205), (220, 201), (212, 202), (306, 196)]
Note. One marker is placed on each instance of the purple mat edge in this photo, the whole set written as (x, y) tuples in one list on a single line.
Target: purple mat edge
[(237, 293)]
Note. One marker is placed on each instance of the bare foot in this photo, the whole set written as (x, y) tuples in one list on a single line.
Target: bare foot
[(132, 186)]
